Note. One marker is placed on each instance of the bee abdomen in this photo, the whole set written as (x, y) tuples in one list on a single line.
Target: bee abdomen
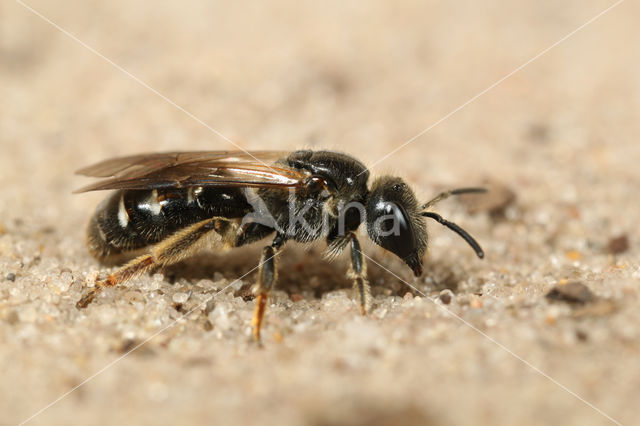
[(111, 230), (133, 219)]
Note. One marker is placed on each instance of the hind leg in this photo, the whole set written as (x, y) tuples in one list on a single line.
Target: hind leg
[(171, 250)]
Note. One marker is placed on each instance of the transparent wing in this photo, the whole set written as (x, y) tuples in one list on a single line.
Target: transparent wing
[(197, 168)]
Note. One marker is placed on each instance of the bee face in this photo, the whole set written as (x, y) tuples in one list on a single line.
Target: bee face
[(394, 221)]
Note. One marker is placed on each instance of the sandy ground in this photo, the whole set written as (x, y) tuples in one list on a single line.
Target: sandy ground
[(562, 134)]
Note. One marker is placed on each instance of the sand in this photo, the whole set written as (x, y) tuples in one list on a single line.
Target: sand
[(470, 342)]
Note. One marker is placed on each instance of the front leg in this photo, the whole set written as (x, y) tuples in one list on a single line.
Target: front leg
[(358, 273), (267, 276)]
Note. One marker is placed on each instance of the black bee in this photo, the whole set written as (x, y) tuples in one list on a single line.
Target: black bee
[(174, 203)]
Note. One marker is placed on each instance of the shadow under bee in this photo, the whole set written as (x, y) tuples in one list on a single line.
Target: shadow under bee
[(300, 271)]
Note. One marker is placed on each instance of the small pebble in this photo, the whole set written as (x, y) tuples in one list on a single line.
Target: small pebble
[(127, 345), (66, 279), (475, 302), (246, 292), (209, 306), (581, 335), (12, 318), (538, 132), (495, 201), (180, 297), (446, 296), (132, 296), (573, 255), (573, 292), (11, 277), (618, 244), (599, 308), (380, 313)]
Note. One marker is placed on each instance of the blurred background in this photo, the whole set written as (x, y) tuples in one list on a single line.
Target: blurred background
[(557, 140)]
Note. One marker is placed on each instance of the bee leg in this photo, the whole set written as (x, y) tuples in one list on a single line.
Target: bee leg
[(131, 269), (267, 276), (171, 250), (358, 273)]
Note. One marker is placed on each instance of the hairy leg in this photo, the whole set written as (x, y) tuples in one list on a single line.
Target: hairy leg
[(267, 277), (358, 273), (171, 250)]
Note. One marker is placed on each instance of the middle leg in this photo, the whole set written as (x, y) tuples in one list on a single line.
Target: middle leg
[(267, 275), (358, 273)]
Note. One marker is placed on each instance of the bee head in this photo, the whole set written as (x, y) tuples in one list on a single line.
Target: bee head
[(394, 221)]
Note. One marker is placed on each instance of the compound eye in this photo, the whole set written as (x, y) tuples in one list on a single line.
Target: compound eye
[(395, 231)]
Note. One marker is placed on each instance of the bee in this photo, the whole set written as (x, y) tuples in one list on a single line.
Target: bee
[(172, 204)]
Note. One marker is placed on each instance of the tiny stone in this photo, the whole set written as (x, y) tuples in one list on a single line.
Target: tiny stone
[(573, 292), (220, 317), (573, 255), (66, 279), (237, 284), (133, 296), (380, 313), (180, 297), (11, 276), (205, 284), (599, 308), (445, 296), (618, 244), (296, 297), (551, 319), (538, 132), (495, 201), (475, 302), (581, 335), (246, 292), (12, 318), (127, 346), (209, 306)]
